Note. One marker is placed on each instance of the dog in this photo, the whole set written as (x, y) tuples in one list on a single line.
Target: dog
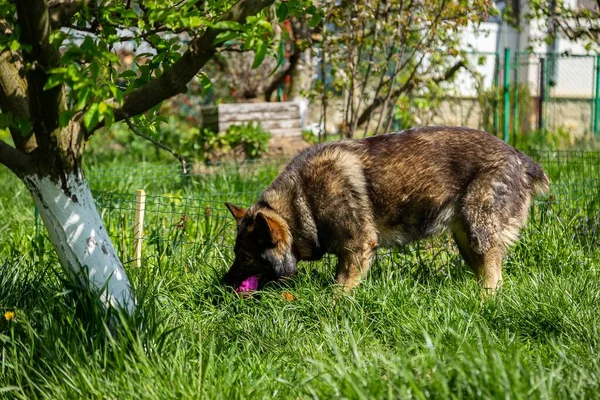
[(352, 196)]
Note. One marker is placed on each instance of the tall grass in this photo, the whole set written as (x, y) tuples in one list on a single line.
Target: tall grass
[(416, 328)]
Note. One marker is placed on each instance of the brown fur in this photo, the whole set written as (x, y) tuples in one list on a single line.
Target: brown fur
[(350, 197)]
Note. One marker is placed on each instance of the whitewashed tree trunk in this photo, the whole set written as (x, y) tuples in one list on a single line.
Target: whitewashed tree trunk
[(79, 237)]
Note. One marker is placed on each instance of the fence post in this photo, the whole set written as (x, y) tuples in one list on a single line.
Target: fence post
[(506, 115), (138, 227), (597, 96), (541, 94), (516, 100), (496, 86)]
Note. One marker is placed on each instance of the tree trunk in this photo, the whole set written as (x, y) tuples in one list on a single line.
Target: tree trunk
[(79, 237)]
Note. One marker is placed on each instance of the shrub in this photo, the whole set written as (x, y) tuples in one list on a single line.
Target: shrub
[(252, 138)]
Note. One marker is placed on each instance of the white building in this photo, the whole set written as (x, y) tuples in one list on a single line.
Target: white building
[(572, 74)]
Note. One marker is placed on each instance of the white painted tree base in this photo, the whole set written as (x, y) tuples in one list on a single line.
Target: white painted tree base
[(79, 237)]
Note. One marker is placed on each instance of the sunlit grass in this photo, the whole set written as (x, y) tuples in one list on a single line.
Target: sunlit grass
[(416, 328)]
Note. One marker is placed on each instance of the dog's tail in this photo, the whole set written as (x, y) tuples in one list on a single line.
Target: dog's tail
[(540, 184)]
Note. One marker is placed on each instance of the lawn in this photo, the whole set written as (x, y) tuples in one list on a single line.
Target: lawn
[(416, 328)]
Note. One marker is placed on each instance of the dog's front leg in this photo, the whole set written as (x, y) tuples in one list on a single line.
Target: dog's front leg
[(353, 264)]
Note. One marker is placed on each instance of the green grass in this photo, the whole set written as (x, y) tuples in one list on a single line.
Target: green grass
[(416, 328)]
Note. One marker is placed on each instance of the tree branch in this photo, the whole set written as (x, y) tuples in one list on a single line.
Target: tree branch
[(280, 79), (61, 11), (408, 86), (135, 130), (174, 80), (13, 159)]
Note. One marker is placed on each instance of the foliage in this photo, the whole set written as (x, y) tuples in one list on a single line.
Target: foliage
[(93, 46), (310, 137), (61, 69), (377, 54), (251, 137), (577, 21), (205, 144)]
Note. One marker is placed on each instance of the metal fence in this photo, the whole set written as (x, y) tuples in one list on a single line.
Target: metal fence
[(524, 92), (183, 225)]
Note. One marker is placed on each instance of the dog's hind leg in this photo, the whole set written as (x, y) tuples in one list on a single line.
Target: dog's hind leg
[(354, 261), (493, 210)]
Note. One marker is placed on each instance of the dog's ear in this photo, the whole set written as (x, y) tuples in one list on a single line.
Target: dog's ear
[(237, 212), (268, 228)]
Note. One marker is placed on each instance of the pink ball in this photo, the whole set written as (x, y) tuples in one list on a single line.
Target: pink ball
[(248, 285)]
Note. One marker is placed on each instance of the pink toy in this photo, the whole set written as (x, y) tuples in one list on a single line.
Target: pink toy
[(248, 285)]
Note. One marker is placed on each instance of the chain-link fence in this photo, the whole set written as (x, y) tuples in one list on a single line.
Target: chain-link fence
[(557, 92), (526, 92)]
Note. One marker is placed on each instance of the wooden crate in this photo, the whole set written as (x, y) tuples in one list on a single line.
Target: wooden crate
[(281, 119)]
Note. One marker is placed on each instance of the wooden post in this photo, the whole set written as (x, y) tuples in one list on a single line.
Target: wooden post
[(138, 227)]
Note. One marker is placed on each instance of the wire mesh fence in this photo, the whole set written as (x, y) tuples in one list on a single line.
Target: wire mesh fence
[(180, 225), (215, 178), (548, 92), (174, 225), (560, 91)]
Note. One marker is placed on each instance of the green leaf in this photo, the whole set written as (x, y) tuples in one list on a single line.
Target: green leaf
[(102, 108), (24, 126), (229, 25), (142, 55), (128, 13), (128, 74), (205, 81), (282, 11), (106, 112), (225, 36), (6, 120), (261, 52), (91, 117), (161, 118), (195, 22), (315, 19), (265, 24), (53, 81)]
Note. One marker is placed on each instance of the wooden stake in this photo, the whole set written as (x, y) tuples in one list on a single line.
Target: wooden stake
[(138, 227)]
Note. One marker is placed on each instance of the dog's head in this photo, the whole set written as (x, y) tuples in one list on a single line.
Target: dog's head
[(263, 247)]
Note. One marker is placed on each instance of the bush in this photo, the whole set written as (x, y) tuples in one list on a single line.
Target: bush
[(252, 138)]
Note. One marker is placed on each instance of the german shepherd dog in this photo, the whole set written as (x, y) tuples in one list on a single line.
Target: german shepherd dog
[(352, 196)]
